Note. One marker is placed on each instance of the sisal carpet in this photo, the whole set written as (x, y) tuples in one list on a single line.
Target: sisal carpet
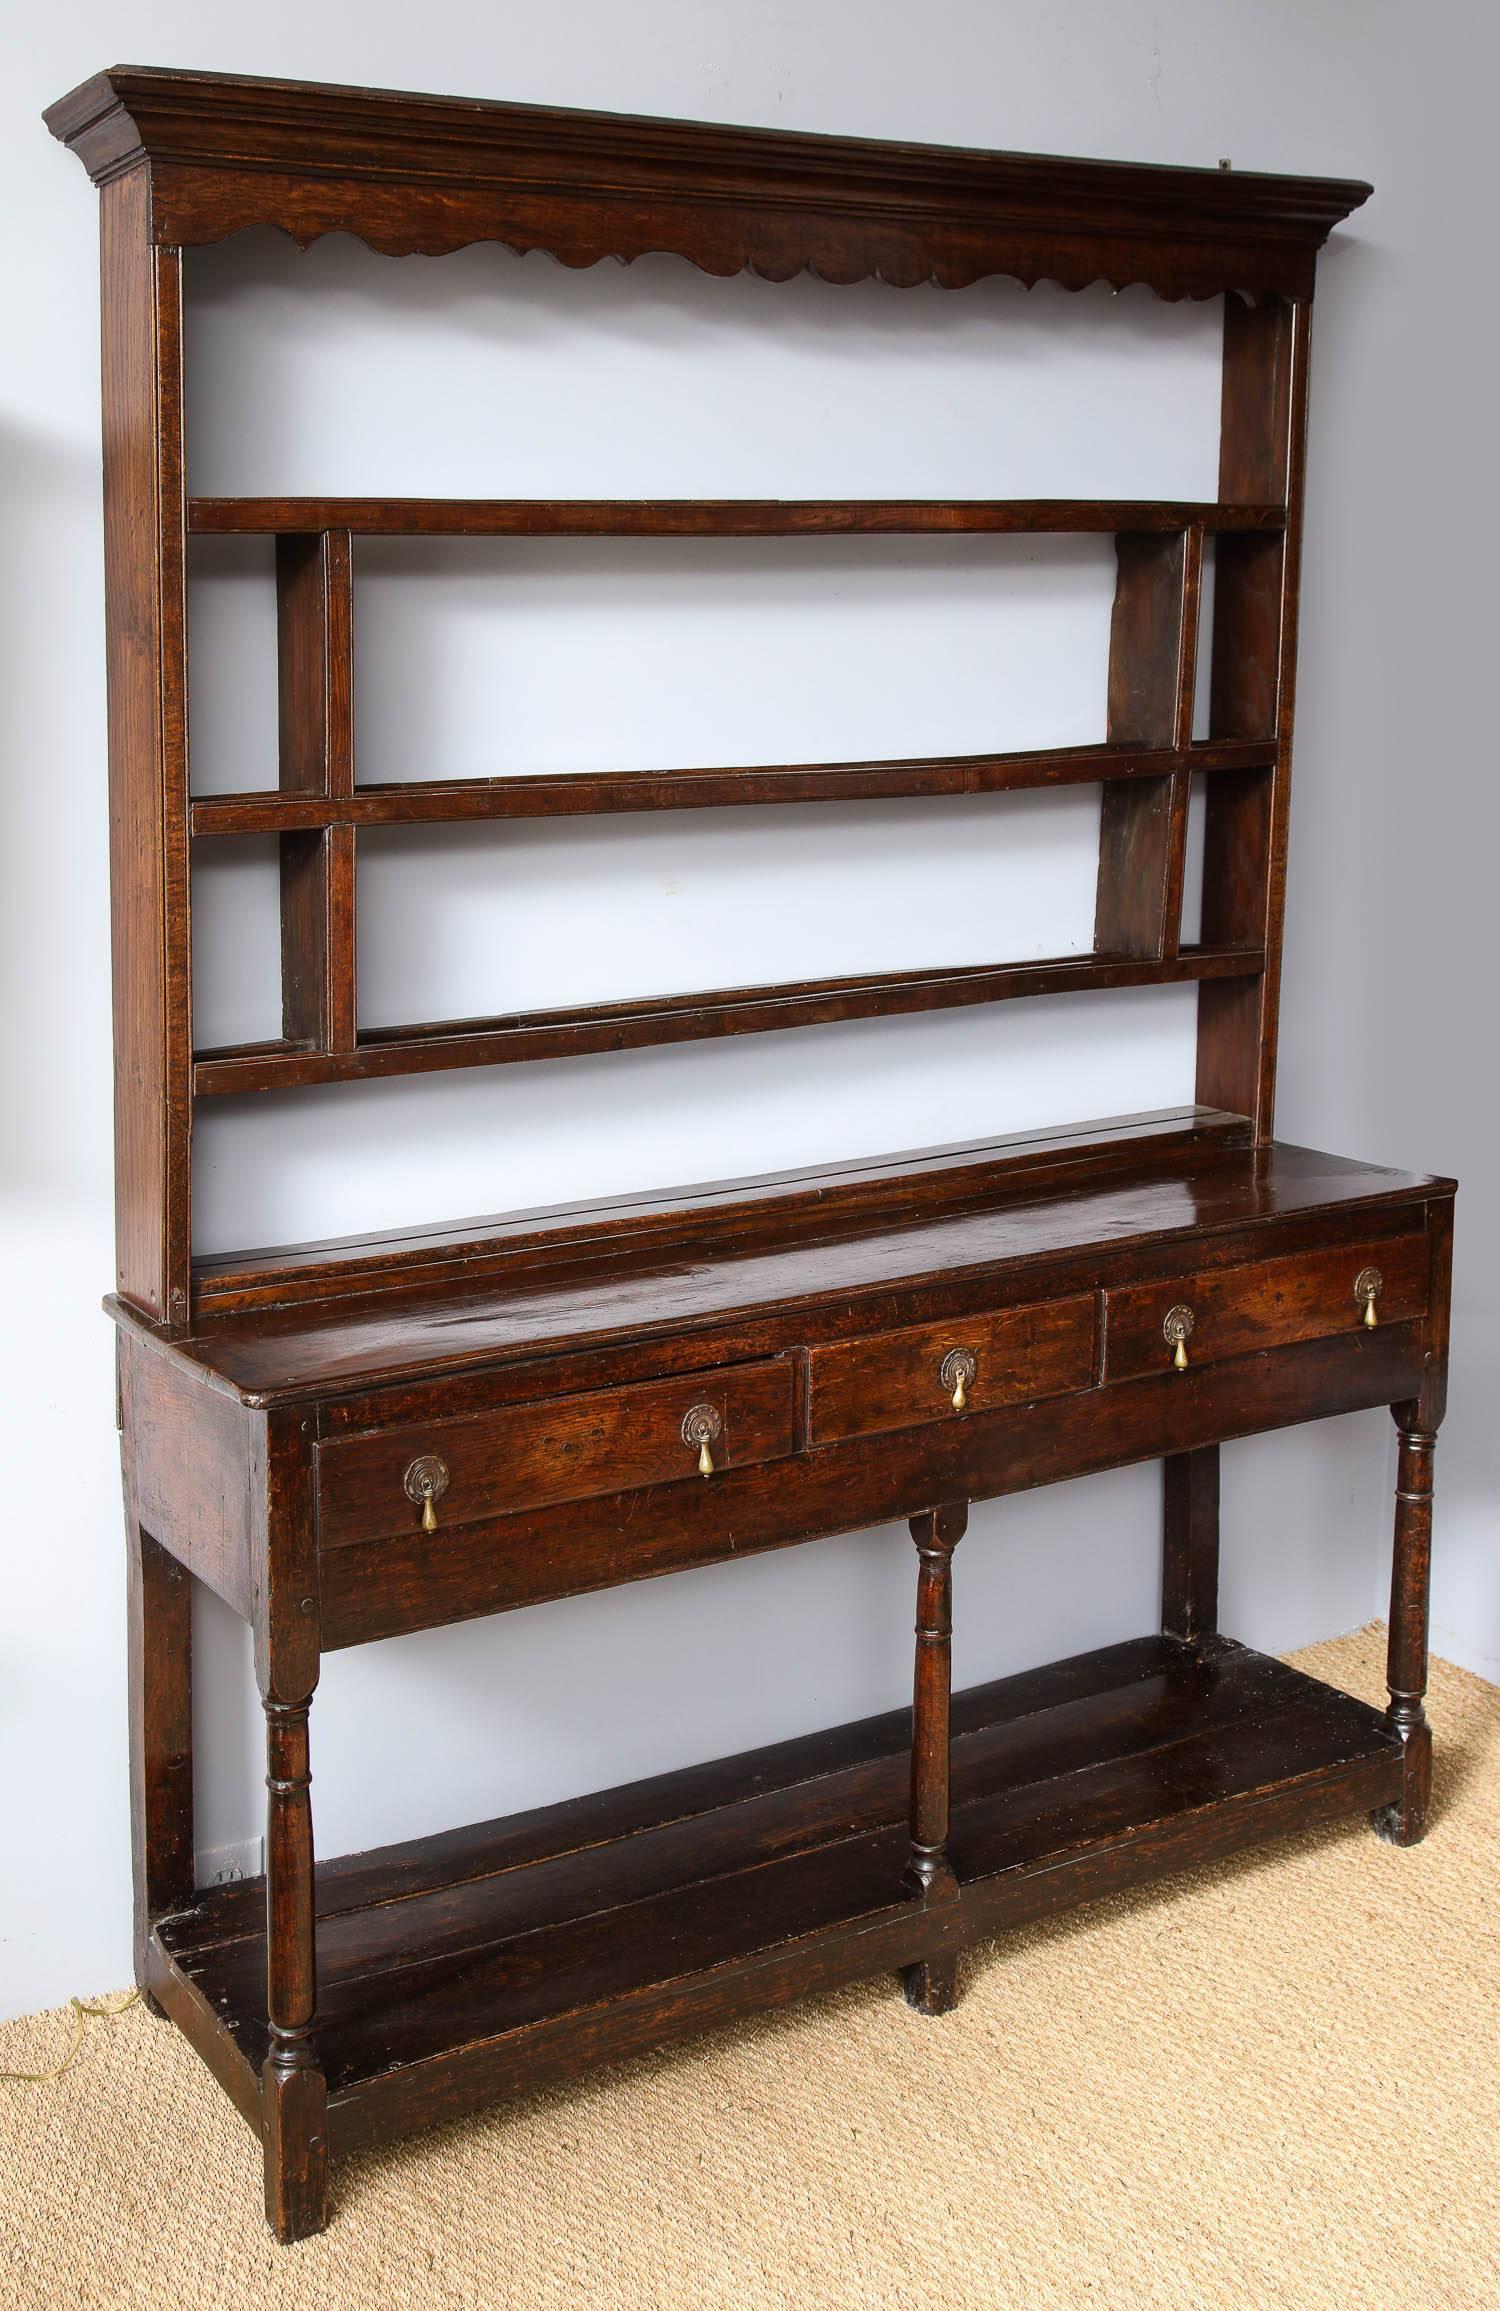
[(1272, 2082)]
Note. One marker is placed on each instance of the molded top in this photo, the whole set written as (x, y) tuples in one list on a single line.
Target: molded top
[(409, 173), (1030, 1229)]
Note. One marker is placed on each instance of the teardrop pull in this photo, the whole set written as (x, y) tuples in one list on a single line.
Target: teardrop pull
[(701, 1423), (956, 1372), (1177, 1330), (424, 1484)]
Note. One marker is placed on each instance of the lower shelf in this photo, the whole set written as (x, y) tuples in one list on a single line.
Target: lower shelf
[(460, 1967)]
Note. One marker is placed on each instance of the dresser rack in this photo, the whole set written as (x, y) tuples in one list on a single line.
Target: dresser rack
[(354, 1439)]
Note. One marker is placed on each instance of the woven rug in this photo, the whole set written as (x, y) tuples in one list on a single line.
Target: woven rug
[(1270, 2082)]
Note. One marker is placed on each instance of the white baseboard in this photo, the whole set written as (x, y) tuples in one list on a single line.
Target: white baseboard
[(221, 1865)]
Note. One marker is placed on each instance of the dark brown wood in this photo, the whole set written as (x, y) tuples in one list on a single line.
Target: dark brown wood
[(1191, 757), (562, 1449), (287, 1649), (414, 1581), (783, 1779), (1405, 1822), (448, 802), (415, 1908), (291, 1955), (314, 599), (1417, 1424), (903, 1379), (172, 1993), (522, 1886), (719, 517), (315, 645), (932, 1985), (1264, 430), (295, 2102), (432, 173), (355, 1439), (1432, 1397), (1153, 641), (510, 1954), (186, 1449), (1190, 1544), (771, 1210), (1270, 1303), (671, 1287), (147, 683), (159, 1624), (632, 1026)]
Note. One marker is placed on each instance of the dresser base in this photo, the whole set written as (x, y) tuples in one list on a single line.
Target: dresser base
[(485, 1961)]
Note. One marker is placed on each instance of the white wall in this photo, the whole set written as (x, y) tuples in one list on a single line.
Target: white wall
[(656, 379)]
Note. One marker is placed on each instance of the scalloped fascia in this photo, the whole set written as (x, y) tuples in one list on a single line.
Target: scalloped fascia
[(426, 175)]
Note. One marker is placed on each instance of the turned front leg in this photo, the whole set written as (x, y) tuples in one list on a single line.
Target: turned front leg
[(1405, 1822), (293, 2096), (933, 1986)]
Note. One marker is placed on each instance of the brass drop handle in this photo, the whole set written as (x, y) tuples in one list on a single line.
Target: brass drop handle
[(956, 1373), (700, 1426), (426, 1480), (1177, 1329), (1368, 1286)]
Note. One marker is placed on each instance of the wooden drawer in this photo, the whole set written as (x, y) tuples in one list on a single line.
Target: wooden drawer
[(567, 1448), (895, 1379), (1264, 1304)]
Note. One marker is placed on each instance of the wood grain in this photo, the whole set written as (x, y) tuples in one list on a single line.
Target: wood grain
[(187, 1448), (1190, 1544), (382, 1589), (449, 802), (562, 1449), (1263, 435), (315, 657), (508, 1962), (159, 1661), (721, 517), (437, 1045), (894, 1379), (272, 1400), (432, 173), (1153, 633), (146, 666), (1268, 1304)]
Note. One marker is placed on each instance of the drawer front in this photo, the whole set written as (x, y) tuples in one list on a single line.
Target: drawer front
[(904, 1379), (568, 1448), (1265, 1304)]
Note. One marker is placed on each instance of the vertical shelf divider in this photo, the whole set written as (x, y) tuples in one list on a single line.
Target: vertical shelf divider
[(315, 659), (1182, 778), (1263, 435), (1151, 644)]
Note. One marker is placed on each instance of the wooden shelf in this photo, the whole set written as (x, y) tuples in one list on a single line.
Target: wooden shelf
[(764, 1211), (489, 1959), (898, 1338), (454, 1043), (715, 517), (440, 802)]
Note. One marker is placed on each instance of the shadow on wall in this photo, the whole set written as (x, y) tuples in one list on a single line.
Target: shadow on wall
[(492, 374), (495, 297), (54, 920)]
